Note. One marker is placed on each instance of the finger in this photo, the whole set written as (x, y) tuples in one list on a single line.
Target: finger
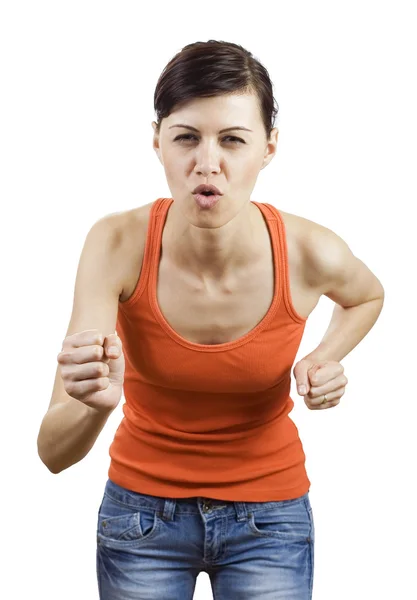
[(331, 398), (80, 355), (328, 387), (89, 370), (330, 371), (89, 337), (325, 405), (87, 386)]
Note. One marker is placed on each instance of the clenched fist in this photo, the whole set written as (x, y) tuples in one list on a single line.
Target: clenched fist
[(92, 368)]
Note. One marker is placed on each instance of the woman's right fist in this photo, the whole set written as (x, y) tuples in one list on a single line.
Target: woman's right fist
[(91, 371)]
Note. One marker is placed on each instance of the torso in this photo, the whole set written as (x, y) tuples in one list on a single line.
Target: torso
[(235, 307)]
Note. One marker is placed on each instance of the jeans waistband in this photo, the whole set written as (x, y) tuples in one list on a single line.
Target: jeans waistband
[(167, 507)]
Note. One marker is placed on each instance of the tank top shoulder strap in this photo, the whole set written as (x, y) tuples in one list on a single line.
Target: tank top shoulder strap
[(282, 236), (158, 209), (156, 219), (278, 229)]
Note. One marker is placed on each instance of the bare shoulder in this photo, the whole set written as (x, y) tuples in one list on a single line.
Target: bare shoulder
[(328, 263), (299, 236), (130, 230), (321, 248), (127, 222), (313, 246), (298, 226)]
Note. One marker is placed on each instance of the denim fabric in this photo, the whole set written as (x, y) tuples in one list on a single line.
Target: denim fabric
[(153, 548)]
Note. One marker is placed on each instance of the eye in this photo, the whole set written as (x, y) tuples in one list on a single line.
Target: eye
[(187, 136)]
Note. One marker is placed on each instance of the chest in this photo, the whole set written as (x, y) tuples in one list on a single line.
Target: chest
[(208, 313), (217, 313), (220, 312)]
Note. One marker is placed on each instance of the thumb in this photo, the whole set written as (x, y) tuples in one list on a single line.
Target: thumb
[(112, 346), (113, 351), (301, 378)]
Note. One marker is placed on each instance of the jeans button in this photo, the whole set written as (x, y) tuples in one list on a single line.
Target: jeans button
[(206, 506)]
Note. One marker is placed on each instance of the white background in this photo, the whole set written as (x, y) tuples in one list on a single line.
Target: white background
[(77, 83)]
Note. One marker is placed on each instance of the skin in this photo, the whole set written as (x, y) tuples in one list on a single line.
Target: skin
[(212, 243)]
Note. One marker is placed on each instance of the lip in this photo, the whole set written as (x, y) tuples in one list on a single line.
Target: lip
[(207, 187)]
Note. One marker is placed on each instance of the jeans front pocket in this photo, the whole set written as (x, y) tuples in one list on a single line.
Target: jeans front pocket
[(122, 525), (312, 530), (286, 520)]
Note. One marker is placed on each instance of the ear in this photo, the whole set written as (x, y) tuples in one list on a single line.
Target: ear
[(271, 147), (155, 143)]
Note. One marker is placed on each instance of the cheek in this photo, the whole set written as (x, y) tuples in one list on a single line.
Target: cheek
[(174, 173), (246, 175), (251, 172), (248, 166)]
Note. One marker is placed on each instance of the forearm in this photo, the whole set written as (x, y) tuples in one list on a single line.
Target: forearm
[(67, 433), (347, 328)]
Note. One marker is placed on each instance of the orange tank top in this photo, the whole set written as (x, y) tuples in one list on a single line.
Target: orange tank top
[(208, 420)]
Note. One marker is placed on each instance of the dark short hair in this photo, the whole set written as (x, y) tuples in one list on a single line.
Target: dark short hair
[(214, 68)]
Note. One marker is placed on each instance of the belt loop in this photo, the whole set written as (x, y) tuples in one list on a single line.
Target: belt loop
[(241, 511), (169, 509)]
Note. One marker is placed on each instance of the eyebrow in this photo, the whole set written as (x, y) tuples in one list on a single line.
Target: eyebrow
[(221, 130)]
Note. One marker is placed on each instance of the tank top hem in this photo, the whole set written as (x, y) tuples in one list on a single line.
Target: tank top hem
[(230, 492)]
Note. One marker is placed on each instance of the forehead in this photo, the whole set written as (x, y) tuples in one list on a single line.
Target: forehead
[(218, 112)]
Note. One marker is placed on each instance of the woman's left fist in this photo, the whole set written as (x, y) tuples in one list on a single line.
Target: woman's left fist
[(319, 378)]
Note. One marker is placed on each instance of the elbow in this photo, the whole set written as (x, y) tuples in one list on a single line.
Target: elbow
[(51, 468), (47, 462)]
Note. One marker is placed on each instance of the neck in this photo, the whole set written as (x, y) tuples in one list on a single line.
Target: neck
[(211, 251)]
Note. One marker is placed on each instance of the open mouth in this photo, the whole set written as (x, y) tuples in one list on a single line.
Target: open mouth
[(207, 193)]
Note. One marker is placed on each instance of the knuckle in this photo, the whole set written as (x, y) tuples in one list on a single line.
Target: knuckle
[(98, 351), (100, 369), (69, 387), (82, 390), (102, 383), (65, 372)]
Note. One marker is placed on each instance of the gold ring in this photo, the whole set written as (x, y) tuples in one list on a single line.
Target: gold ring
[(324, 399)]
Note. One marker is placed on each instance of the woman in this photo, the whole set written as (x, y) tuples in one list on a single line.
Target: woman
[(209, 292)]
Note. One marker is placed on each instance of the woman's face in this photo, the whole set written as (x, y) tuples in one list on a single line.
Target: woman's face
[(230, 160)]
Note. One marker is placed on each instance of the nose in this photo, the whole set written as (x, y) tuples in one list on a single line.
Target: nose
[(207, 160)]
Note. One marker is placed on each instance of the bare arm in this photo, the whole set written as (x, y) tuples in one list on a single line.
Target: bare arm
[(68, 432), (70, 428)]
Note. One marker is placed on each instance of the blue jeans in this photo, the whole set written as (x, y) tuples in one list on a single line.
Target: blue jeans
[(153, 548)]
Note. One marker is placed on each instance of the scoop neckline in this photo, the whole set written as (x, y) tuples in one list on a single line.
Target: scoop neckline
[(156, 258)]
